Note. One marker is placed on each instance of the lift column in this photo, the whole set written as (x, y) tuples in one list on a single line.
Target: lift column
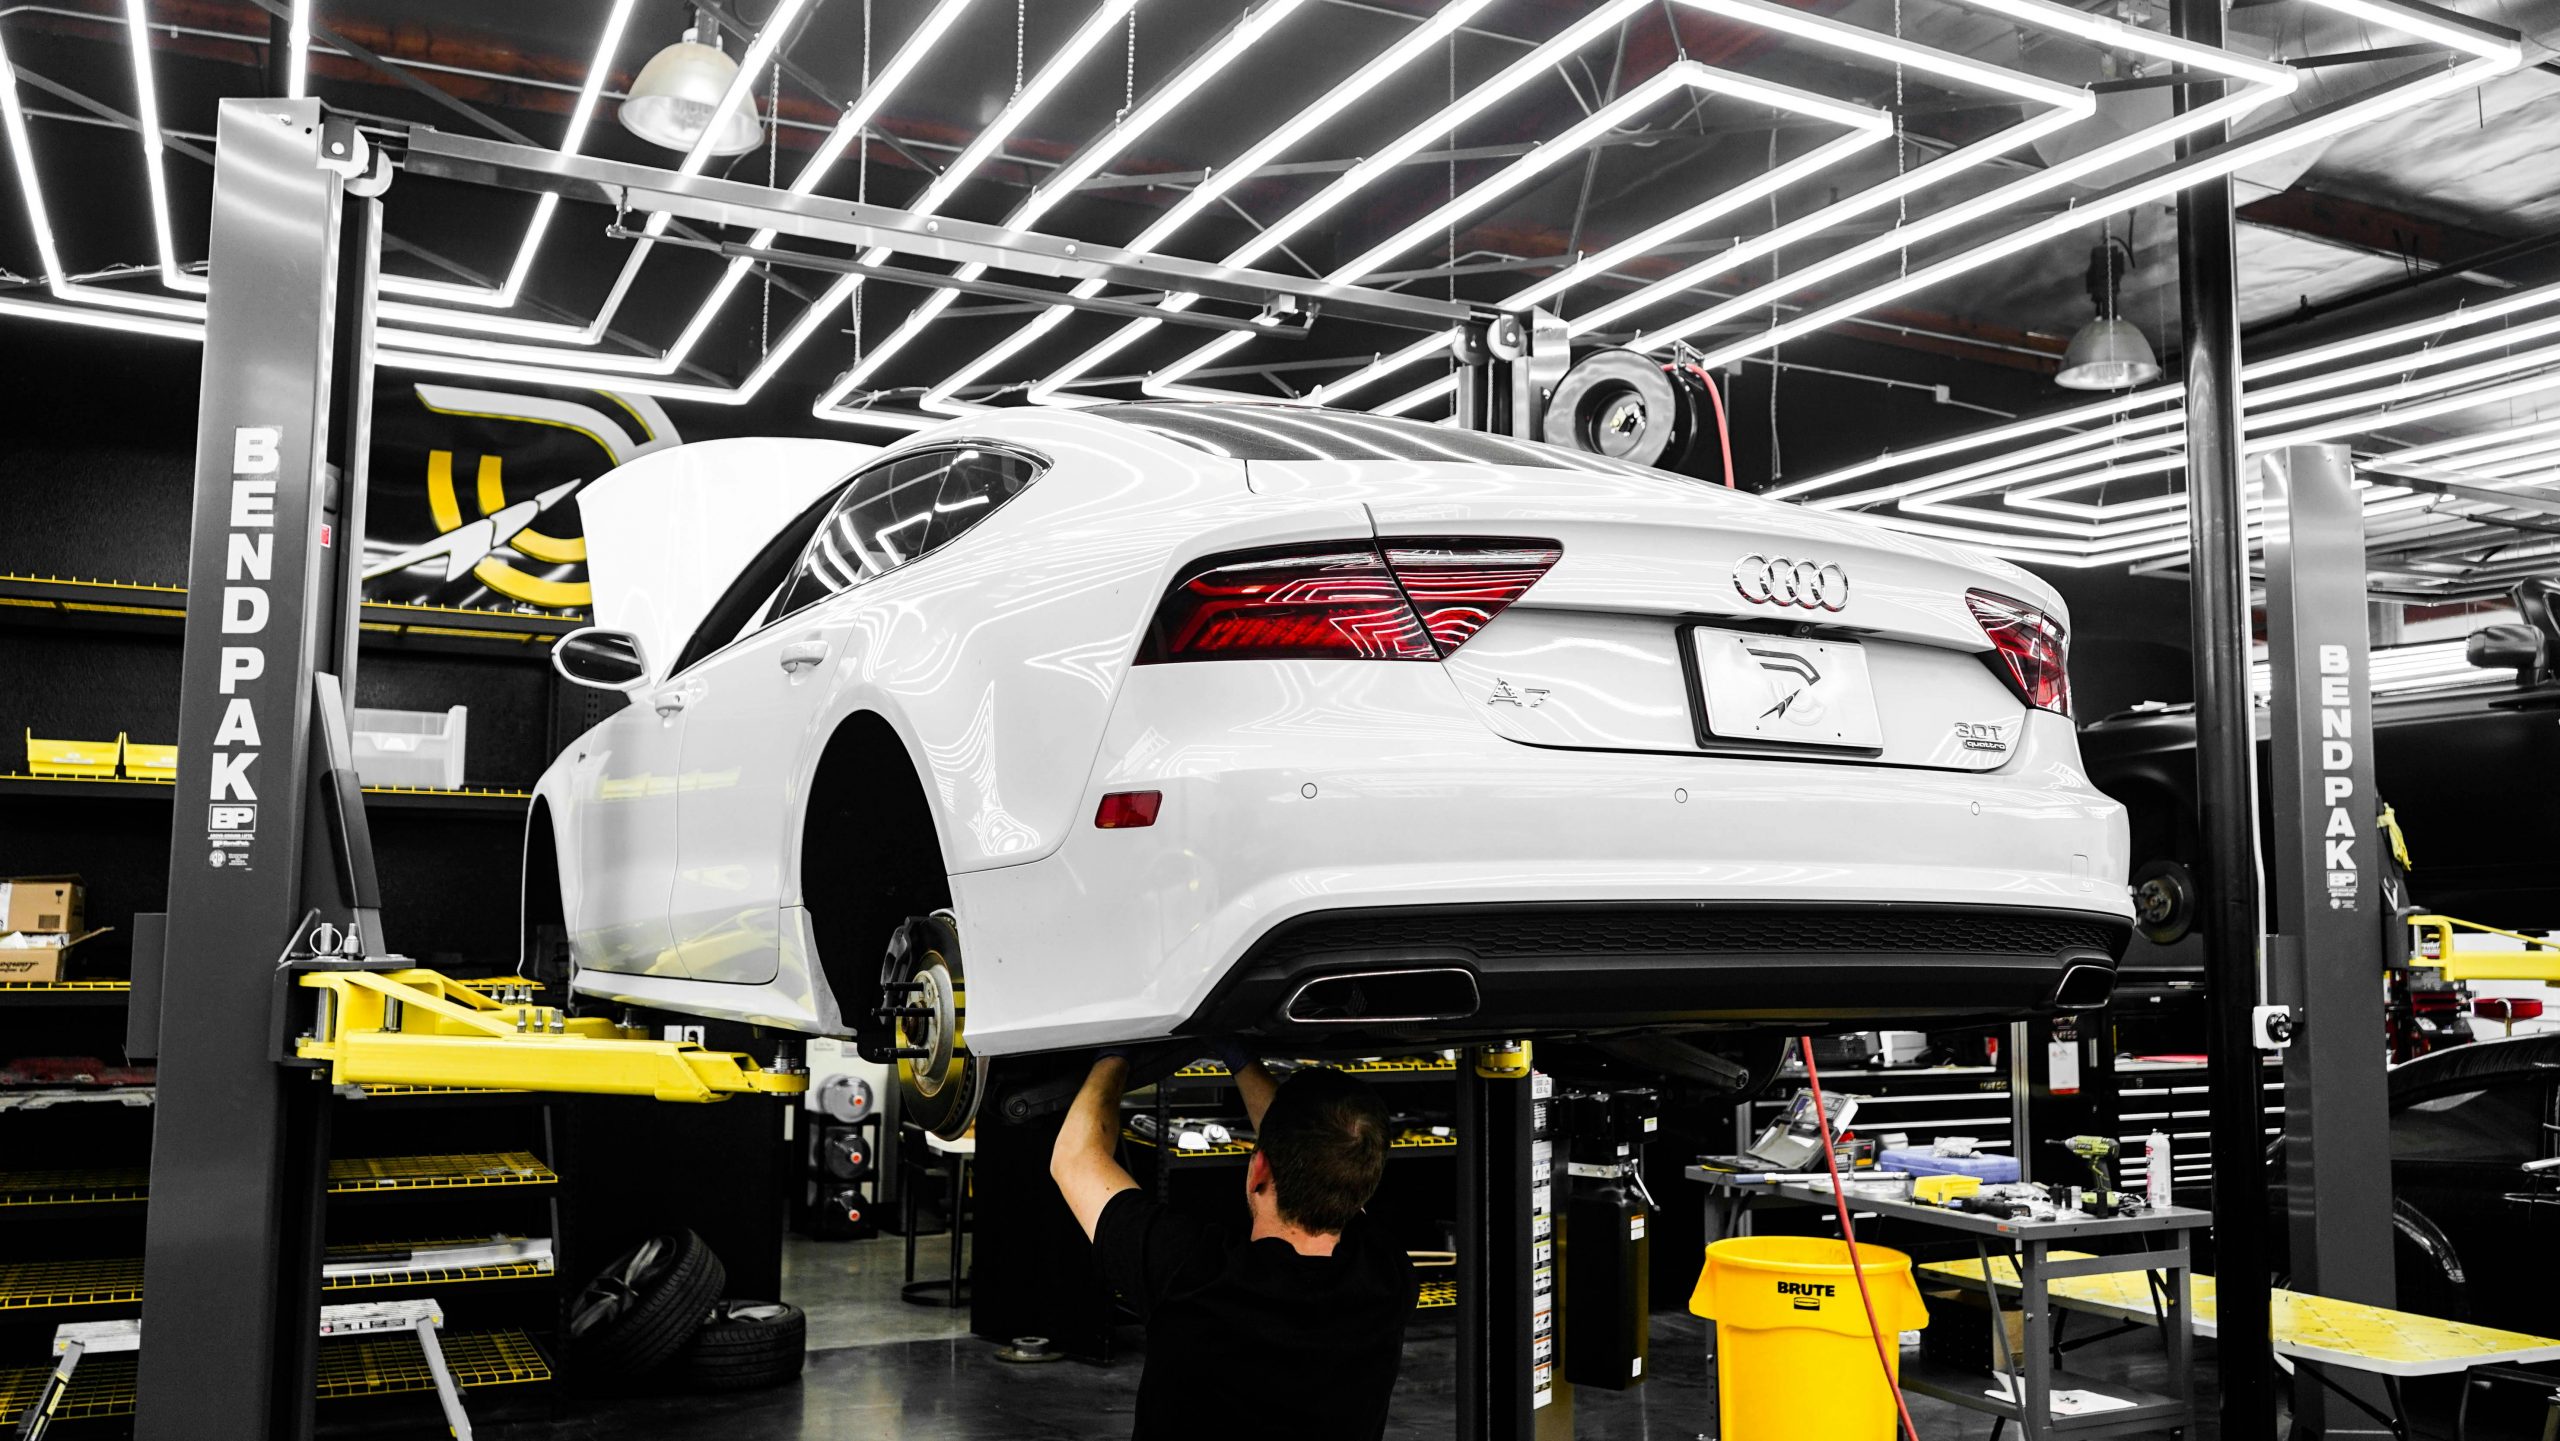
[(1511, 1383), (239, 1150), (2326, 957)]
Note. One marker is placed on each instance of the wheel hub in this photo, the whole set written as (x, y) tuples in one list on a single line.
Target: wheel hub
[(937, 1032)]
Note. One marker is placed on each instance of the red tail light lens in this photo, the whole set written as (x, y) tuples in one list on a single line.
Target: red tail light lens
[(1458, 586), (1324, 600), (2028, 649), (1418, 600)]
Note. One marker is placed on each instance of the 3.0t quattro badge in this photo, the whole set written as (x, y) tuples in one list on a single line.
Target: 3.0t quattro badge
[(1778, 580)]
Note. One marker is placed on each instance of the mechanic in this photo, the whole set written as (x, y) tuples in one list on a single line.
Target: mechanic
[(1313, 1301)]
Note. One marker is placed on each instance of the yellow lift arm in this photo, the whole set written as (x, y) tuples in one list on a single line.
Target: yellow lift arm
[(422, 1028), (2539, 961)]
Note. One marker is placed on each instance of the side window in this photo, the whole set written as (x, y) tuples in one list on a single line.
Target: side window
[(974, 483), (891, 515)]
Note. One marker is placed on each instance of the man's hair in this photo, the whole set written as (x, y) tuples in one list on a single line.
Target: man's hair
[(1325, 1136)]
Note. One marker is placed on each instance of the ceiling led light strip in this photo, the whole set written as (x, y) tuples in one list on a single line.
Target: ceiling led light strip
[(1361, 84), (1683, 76), (581, 115), (1532, 67), (2368, 410), (2266, 82), (297, 77), (1166, 99), (141, 314), (1096, 29), (849, 126), (2068, 106), (452, 355), (1686, 76), (813, 319), (146, 109), (741, 91), (2222, 160), (2250, 371)]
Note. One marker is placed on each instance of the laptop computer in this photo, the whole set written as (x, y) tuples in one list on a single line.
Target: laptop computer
[(1792, 1144)]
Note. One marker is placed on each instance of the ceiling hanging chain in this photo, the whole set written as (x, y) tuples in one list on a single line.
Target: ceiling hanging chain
[(772, 180), (1129, 79), (862, 170), (1901, 144), (1021, 27), (1777, 465)]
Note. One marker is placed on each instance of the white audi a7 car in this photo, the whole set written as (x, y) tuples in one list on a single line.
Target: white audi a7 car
[(1101, 726)]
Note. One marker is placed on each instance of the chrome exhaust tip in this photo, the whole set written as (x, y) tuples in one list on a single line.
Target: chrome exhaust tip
[(1404, 995), (2085, 987)]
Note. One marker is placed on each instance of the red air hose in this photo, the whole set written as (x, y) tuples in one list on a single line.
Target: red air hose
[(1848, 1233), (1724, 432)]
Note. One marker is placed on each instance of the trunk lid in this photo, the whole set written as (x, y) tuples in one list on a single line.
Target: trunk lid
[(1646, 634)]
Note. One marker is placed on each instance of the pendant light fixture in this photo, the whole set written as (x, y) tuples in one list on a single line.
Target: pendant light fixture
[(2109, 353), (676, 94)]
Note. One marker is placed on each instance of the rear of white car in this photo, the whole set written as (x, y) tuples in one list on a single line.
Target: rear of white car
[(1565, 746)]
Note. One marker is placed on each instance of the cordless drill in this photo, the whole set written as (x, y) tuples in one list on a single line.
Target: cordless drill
[(2095, 1151)]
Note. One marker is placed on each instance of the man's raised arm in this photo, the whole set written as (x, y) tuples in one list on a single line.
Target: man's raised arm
[(1085, 1161)]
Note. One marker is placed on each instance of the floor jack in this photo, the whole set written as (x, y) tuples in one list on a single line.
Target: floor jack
[(76, 1339)]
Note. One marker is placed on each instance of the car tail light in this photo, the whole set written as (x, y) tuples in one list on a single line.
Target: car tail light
[(1457, 586), (2028, 649), (1128, 810), (1418, 600)]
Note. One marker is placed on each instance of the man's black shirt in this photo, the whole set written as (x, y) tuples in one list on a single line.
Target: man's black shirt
[(1251, 1339)]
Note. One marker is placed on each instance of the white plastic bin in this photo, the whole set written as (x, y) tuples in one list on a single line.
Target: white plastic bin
[(421, 749)]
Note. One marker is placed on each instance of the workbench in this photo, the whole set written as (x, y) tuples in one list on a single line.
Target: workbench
[(2158, 1243)]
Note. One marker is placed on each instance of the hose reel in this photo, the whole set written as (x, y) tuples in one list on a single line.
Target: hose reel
[(1631, 407)]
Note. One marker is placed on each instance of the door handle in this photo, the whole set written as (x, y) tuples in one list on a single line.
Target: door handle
[(668, 703), (802, 655)]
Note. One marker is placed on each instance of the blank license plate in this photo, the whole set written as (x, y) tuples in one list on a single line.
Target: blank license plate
[(1786, 691)]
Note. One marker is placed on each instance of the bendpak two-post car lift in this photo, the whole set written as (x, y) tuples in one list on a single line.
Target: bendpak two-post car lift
[(268, 975)]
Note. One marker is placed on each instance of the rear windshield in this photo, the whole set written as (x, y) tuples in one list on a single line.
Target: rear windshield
[(1282, 432)]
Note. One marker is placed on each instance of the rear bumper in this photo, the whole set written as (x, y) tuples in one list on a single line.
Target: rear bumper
[(1294, 797), (1544, 967)]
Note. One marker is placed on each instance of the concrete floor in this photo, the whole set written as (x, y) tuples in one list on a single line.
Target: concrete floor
[(882, 1367)]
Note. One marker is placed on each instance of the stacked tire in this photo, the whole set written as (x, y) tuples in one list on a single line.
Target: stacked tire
[(657, 1311), (747, 1346)]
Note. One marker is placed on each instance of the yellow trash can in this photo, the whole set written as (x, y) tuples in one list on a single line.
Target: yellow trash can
[(1794, 1358)]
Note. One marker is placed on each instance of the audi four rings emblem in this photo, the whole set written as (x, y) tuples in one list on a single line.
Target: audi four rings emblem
[(1781, 581)]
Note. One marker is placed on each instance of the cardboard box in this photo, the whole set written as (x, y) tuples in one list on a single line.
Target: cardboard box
[(39, 958), (42, 905)]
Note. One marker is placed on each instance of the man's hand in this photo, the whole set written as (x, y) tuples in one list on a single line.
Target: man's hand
[(1085, 1161), (1251, 1079)]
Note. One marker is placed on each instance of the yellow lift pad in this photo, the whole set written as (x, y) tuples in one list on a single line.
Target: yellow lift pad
[(423, 1028), (2538, 961)]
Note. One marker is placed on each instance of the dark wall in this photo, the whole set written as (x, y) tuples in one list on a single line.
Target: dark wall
[(2128, 639)]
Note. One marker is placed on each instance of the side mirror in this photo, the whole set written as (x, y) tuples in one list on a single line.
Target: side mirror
[(604, 659), (2519, 648)]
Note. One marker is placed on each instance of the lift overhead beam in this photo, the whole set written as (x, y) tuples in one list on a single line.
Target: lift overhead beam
[(816, 217)]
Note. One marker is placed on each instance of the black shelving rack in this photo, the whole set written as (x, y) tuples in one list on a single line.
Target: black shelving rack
[(411, 1166)]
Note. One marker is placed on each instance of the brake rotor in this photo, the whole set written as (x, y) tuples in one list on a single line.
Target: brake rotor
[(926, 1000), (936, 1034)]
